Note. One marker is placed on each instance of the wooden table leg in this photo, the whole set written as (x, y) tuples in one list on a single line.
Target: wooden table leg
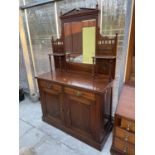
[(60, 63), (110, 70), (50, 62), (65, 64)]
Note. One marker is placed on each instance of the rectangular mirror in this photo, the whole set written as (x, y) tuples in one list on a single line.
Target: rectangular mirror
[(88, 40), (80, 41)]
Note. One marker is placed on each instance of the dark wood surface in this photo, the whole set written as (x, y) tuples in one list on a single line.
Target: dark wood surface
[(71, 99), (126, 105), (78, 79), (106, 45), (57, 45), (78, 105), (72, 23), (79, 14)]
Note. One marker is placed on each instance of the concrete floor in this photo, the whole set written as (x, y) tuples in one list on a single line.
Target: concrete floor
[(48, 140)]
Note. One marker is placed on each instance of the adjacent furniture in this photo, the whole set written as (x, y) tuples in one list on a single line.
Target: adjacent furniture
[(124, 126), (130, 69), (73, 97)]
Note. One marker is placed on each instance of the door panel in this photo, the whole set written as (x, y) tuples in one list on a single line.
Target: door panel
[(79, 115), (52, 105), (82, 112), (52, 102)]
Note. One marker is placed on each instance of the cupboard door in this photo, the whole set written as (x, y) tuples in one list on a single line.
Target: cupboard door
[(81, 115), (53, 105)]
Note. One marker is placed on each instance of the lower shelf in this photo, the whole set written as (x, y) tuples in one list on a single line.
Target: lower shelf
[(83, 138)]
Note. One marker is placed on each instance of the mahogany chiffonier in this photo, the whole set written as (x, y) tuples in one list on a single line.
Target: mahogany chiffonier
[(124, 125), (76, 97)]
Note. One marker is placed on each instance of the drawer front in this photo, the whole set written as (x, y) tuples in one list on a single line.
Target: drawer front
[(125, 135), (49, 85), (128, 125), (79, 93), (124, 146)]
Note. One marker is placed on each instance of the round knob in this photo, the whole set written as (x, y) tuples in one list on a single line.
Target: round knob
[(128, 127), (126, 138), (49, 85), (125, 150), (78, 93)]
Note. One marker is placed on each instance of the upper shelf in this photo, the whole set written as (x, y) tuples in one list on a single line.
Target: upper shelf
[(57, 54), (104, 57)]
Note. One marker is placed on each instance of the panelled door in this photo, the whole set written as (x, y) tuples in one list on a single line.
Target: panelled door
[(52, 101), (80, 112)]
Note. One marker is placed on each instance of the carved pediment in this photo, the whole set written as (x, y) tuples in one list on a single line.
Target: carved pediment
[(79, 12)]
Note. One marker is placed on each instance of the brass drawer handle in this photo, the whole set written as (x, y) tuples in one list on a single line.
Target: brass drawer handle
[(49, 85), (126, 138), (78, 93), (125, 149), (128, 127)]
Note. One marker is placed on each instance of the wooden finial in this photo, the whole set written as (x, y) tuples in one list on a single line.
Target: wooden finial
[(116, 35), (97, 6), (52, 38)]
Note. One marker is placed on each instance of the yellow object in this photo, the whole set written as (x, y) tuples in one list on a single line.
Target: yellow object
[(88, 37)]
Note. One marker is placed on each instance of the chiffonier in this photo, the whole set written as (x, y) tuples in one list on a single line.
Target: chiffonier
[(76, 96), (124, 126)]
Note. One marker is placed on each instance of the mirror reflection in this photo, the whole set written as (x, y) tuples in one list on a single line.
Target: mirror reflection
[(79, 39)]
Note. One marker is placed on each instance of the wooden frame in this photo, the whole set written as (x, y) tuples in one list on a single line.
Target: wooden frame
[(131, 52), (105, 46), (72, 99)]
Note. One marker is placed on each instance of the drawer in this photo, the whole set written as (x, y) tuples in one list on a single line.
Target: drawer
[(50, 85), (125, 135), (123, 146), (128, 125), (79, 93)]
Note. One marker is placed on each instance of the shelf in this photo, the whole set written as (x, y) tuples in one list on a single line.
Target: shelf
[(57, 54), (104, 57)]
